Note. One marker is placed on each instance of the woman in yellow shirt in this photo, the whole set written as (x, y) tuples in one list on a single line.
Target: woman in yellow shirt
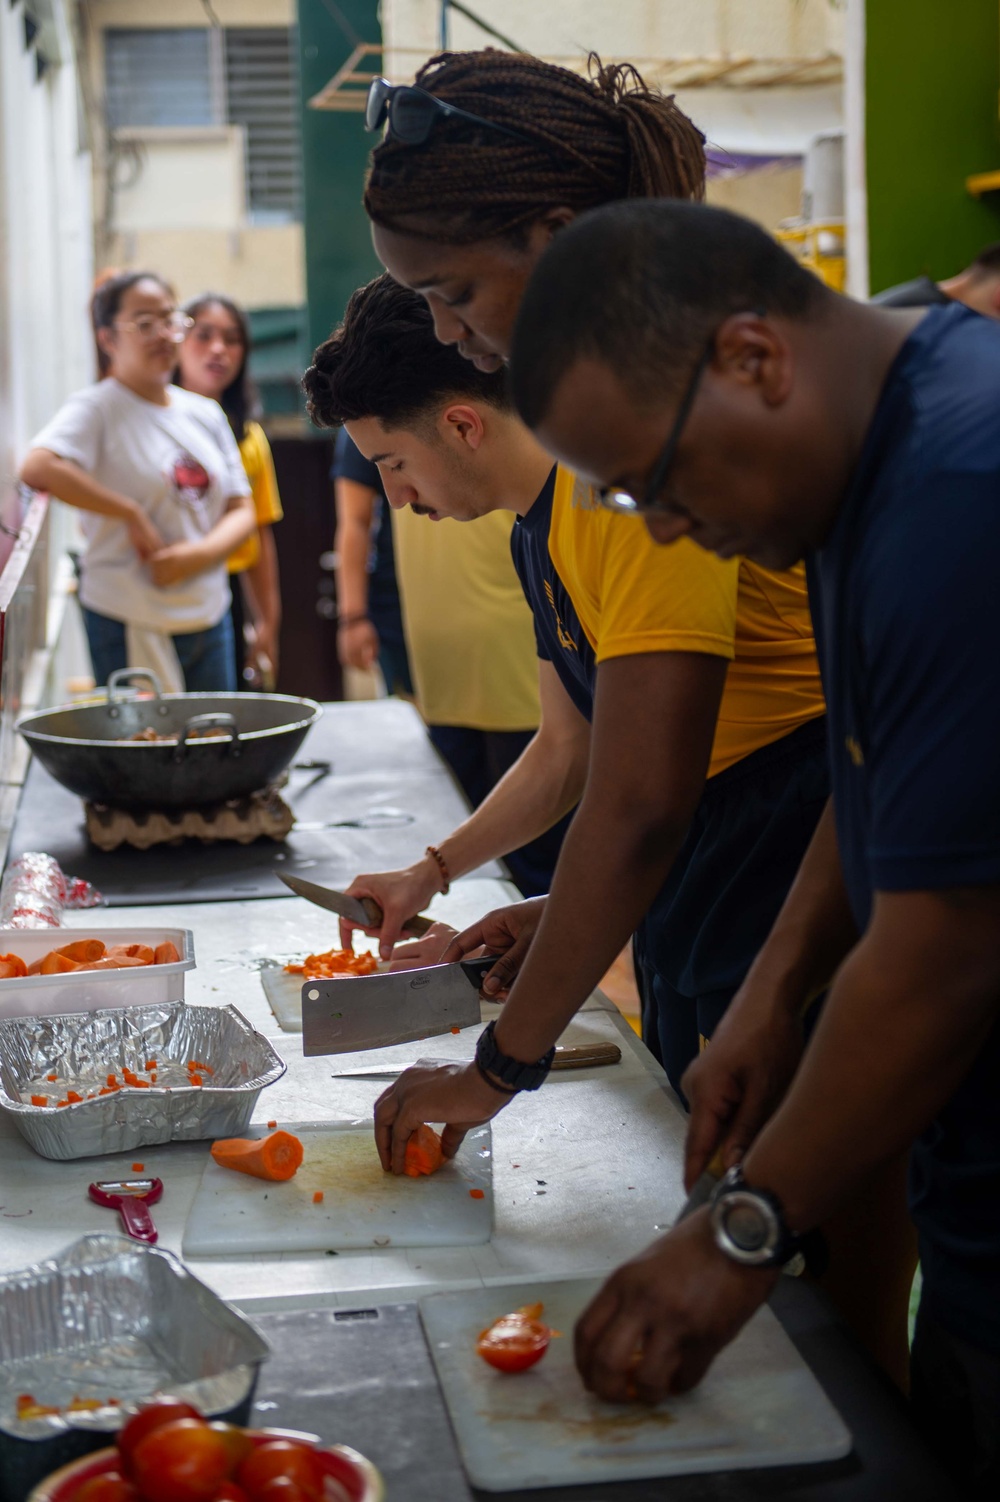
[(213, 361)]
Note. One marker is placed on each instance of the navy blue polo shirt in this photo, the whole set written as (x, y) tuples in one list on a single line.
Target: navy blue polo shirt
[(907, 615), (559, 637)]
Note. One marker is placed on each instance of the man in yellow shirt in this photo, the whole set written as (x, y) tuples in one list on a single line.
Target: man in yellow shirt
[(704, 771)]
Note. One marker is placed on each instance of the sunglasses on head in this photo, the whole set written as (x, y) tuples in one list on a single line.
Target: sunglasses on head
[(412, 113)]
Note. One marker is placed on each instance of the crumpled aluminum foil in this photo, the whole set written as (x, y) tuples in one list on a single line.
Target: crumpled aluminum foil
[(82, 1048), (112, 1318)]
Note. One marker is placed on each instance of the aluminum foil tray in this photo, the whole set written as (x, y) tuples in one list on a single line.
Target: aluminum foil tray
[(83, 1048), (110, 1318)]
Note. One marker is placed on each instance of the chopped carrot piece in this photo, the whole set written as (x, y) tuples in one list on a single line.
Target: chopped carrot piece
[(423, 1153), (51, 1076), (138, 1167), (39, 1100), (82, 951), (53, 963), (477, 1194), (456, 1029), (194, 1079), (153, 1076), (276, 1157), (73, 1097), (318, 1197), (166, 954), (108, 1090), (12, 967), (112, 1079), (271, 1125), (62, 1103), (138, 1084), (150, 1063), (141, 952)]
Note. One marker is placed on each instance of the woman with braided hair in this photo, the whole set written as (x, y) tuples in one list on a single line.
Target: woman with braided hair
[(464, 214)]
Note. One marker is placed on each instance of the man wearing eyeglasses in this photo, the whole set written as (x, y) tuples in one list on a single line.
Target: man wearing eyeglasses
[(792, 423)]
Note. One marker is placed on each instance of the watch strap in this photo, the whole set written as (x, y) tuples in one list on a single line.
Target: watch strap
[(513, 1074)]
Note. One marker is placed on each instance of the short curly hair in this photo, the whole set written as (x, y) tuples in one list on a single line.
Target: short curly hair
[(385, 361)]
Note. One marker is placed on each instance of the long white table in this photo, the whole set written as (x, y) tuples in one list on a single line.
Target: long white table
[(606, 1142)]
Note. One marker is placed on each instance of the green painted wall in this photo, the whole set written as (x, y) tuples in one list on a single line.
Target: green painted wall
[(932, 80), (335, 150)]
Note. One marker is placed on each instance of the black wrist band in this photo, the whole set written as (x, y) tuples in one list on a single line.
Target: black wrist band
[(512, 1073), (494, 1084)]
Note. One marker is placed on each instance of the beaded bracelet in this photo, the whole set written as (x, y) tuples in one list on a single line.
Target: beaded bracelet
[(442, 866)]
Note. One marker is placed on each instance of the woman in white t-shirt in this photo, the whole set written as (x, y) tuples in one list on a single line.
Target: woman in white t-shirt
[(157, 474)]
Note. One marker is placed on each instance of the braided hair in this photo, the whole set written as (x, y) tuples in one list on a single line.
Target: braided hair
[(589, 141)]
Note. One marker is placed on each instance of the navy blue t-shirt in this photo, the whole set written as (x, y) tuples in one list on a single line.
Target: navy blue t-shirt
[(559, 637), (906, 609)]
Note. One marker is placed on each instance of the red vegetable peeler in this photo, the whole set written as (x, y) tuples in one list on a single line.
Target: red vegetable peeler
[(130, 1197)]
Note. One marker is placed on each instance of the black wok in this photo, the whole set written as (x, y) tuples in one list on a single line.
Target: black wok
[(251, 738)]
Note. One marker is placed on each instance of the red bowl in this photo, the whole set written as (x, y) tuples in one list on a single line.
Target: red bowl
[(355, 1478)]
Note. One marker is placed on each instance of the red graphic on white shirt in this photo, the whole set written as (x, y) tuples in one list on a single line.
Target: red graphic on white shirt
[(191, 479)]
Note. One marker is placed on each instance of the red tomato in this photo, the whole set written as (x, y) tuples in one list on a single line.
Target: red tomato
[(238, 1442), (285, 1459), (515, 1341), (153, 1416), (283, 1489), (230, 1492), (111, 1487), (185, 1461)]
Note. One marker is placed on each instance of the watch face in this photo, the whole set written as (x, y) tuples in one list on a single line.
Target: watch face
[(746, 1227)]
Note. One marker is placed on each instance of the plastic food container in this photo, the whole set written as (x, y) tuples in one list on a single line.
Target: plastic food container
[(82, 1050), (349, 1477), (86, 990), (111, 1318)]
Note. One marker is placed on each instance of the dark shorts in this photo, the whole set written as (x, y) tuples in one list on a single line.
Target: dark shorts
[(717, 906), (955, 1392), (479, 758)]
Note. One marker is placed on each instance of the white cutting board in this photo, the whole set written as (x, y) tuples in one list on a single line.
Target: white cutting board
[(361, 1207), (758, 1406)]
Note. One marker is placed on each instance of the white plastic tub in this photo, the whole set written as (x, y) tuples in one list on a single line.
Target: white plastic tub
[(91, 990)]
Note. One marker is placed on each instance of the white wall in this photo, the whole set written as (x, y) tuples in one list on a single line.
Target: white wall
[(45, 237)]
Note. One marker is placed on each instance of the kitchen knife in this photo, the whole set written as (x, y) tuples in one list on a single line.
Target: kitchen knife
[(375, 1011), (583, 1056), (701, 1193), (364, 911)]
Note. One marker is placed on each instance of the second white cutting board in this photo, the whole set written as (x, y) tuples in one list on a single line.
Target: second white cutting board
[(362, 1207)]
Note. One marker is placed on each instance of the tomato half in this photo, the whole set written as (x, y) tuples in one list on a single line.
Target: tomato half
[(185, 1461), (153, 1416), (281, 1459), (111, 1487), (515, 1341)]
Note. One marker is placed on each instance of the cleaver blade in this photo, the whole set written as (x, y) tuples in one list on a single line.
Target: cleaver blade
[(375, 1011)]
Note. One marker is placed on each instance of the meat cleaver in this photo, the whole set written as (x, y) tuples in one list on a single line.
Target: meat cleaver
[(364, 911), (375, 1011)]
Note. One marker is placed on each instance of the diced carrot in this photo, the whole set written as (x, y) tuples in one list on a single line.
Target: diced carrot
[(108, 1090), (73, 1097), (82, 951), (138, 1167), (271, 1125), (276, 1157), (150, 1063), (39, 1100), (62, 1103), (130, 1077), (456, 1029), (53, 963), (318, 1197), (113, 1080), (12, 967), (477, 1194), (166, 954), (194, 1079), (138, 1084), (153, 1077), (423, 1153), (51, 1076)]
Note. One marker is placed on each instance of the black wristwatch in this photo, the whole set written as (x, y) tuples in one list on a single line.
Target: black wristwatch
[(750, 1228), (512, 1074)]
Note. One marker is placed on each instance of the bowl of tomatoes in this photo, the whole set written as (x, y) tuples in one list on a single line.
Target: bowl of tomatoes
[(168, 1453)]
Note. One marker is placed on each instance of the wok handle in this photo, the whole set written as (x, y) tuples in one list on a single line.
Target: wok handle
[(122, 676), (209, 722)]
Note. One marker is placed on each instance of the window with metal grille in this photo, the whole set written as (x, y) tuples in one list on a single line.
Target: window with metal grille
[(261, 94), (239, 76)]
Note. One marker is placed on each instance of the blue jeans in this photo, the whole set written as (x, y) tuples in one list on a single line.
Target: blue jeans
[(206, 657)]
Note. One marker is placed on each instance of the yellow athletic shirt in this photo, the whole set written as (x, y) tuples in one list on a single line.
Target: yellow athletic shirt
[(632, 595), (468, 627), (255, 451)]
